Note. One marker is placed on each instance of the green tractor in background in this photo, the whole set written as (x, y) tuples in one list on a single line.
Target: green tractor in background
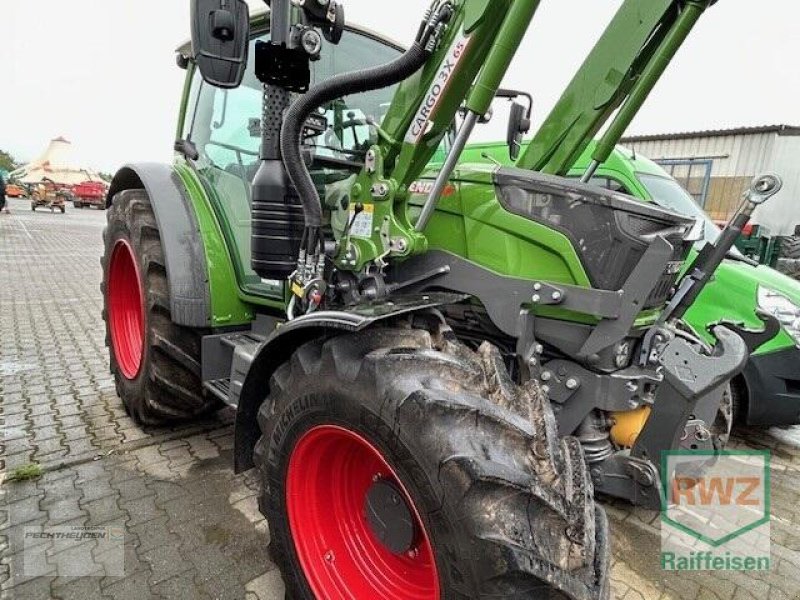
[(431, 385)]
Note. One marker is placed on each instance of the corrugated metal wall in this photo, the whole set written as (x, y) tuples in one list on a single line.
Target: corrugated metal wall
[(734, 155), (782, 213), (736, 160)]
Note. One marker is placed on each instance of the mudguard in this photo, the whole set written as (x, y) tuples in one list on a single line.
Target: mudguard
[(252, 372), (187, 271)]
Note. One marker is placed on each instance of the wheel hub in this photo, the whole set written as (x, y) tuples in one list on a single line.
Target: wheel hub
[(389, 517), (355, 530)]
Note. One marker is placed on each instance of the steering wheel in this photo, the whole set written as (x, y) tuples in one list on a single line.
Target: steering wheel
[(336, 133)]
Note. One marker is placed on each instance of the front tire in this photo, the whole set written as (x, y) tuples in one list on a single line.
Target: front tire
[(156, 363), (499, 506)]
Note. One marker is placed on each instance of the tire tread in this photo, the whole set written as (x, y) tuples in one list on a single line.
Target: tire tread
[(169, 389)]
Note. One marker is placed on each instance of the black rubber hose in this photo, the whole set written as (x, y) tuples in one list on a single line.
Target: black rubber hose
[(355, 82)]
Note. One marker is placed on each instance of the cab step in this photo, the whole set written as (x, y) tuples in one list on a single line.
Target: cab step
[(226, 359)]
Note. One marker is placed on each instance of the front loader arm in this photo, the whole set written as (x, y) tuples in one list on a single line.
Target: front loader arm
[(619, 73), (467, 70), (471, 56)]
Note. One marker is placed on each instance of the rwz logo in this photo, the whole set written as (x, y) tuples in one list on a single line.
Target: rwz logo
[(715, 497), (704, 491)]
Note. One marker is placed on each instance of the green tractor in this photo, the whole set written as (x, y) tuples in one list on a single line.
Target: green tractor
[(432, 386)]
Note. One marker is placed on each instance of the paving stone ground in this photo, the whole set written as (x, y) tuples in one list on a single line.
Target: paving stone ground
[(191, 527)]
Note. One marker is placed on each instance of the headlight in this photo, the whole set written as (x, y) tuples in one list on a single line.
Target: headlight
[(783, 309)]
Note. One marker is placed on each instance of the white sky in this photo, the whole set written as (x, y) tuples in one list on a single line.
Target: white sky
[(102, 72)]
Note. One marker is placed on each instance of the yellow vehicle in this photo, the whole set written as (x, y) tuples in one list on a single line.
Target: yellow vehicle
[(47, 195)]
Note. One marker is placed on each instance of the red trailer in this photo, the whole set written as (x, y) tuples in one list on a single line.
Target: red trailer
[(90, 193)]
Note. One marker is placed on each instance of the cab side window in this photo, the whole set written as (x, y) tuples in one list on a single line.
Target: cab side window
[(226, 125)]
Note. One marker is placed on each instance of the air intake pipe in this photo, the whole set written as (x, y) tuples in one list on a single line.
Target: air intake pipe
[(355, 82)]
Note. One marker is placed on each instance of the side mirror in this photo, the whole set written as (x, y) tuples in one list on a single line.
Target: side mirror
[(519, 123), (220, 40)]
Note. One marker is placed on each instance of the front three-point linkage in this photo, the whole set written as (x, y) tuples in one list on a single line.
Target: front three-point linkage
[(308, 282), (705, 265)]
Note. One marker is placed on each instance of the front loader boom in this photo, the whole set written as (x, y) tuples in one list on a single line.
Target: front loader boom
[(466, 67), (617, 76)]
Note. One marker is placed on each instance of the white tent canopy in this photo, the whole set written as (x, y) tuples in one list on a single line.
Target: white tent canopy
[(56, 165)]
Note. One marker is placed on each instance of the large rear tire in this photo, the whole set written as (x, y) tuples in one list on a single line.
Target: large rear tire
[(790, 247), (789, 259), (156, 363), (470, 492)]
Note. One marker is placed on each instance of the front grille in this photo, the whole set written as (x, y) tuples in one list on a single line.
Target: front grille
[(661, 292), (663, 289)]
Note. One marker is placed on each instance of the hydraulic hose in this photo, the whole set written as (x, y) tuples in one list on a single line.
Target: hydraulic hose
[(355, 82)]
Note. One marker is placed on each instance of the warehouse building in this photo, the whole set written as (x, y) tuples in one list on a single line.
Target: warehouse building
[(717, 166)]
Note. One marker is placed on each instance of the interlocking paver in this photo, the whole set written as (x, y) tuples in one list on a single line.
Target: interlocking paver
[(152, 534), (165, 563), (78, 588), (104, 510), (130, 587), (25, 511), (191, 527)]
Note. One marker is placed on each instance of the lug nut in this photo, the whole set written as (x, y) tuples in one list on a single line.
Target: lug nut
[(546, 375), (536, 298), (572, 383), (556, 296)]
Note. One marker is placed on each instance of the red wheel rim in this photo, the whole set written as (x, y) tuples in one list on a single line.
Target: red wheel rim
[(126, 309), (330, 472)]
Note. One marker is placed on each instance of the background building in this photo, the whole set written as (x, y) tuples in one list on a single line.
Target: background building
[(717, 166)]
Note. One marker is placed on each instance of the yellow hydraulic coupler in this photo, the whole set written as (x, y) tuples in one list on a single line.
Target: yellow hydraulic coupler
[(628, 425)]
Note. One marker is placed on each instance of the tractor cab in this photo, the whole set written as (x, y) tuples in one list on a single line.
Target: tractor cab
[(224, 127)]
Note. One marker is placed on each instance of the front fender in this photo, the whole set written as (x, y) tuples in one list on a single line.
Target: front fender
[(252, 372), (187, 270)]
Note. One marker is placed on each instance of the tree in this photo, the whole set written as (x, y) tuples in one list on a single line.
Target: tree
[(7, 162)]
